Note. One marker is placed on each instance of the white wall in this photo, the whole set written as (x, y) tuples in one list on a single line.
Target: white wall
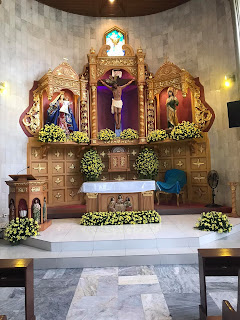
[(197, 36)]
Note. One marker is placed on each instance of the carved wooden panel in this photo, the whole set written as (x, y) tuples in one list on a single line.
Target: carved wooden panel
[(194, 159), (58, 181), (58, 196), (60, 167)]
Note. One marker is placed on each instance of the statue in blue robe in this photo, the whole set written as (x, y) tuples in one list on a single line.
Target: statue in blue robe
[(60, 113)]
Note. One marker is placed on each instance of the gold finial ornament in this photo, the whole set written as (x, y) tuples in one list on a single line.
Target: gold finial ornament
[(92, 51)]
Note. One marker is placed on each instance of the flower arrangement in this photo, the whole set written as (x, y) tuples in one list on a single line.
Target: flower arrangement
[(51, 133), (120, 218), (214, 221), (157, 135), (20, 229), (106, 135), (147, 164), (91, 165), (79, 137), (185, 130), (129, 134)]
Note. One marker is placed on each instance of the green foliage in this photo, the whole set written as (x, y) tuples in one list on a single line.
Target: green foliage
[(185, 130), (20, 229), (120, 217), (51, 133), (79, 137), (129, 134), (106, 135), (147, 164), (91, 165), (214, 221), (157, 135)]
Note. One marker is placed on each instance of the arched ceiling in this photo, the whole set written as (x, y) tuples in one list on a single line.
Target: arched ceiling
[(119, 8)]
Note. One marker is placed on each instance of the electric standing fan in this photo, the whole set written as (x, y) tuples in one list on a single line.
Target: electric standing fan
[(213, 179)]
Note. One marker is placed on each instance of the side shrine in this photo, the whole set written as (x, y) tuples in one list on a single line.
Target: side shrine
[(117, 108)]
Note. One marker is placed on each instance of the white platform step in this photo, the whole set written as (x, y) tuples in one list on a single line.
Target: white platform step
[(173, 232)]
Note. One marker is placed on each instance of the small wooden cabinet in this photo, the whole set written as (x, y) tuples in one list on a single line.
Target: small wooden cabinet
[(118, 161)]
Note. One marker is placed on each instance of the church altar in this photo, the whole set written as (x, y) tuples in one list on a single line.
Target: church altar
[(116, 90), (119, 195)]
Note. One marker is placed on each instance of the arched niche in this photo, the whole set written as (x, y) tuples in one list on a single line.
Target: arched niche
[(22, 206), (12, 209), (130, 103), (99, 65), (184, 109), (62, 78), (190, 93), (36, 209)]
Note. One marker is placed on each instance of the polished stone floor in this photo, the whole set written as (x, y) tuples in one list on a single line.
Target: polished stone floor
[(124, 293)]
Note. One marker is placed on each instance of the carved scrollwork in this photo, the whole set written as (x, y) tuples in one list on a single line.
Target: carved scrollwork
[(65, 71), (103, 50), (128, 50), (31, 120), (170, 75), (62, 77), (202, 114)]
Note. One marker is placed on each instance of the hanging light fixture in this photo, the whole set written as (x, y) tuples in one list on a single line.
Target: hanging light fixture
[(229, 80), (3, 87)]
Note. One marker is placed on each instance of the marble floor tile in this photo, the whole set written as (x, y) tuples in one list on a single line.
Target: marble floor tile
[(125, 293), (100, 272), (130, 313), (230, 296), (186, 306), (179, 283), (155, 307), (138, 279), (94, 307), (136, 270), (108, 286), (130, 295), (165, 270)]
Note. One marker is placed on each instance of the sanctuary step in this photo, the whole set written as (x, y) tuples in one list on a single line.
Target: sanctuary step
[(66, 244), (76, 211)]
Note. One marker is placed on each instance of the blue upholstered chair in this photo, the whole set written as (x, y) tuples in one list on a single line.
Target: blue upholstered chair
[(174, 182)]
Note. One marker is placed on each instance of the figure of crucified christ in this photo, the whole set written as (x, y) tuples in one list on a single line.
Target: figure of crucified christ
[(117, 103)]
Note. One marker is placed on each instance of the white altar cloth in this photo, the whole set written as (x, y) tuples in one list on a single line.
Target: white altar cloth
[(132, 186)]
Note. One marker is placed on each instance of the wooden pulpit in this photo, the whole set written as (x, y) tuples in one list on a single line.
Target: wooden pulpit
[(25, 194)]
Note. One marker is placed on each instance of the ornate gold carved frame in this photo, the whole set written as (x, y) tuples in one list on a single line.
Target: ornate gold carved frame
[(170, 75), (62, 77), (100, 63)]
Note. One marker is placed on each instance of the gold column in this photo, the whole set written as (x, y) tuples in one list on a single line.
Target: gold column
[(93, 114), (92, 60), (141, 114), (84, 110), (141, 81), (233, 187), (151, 115)]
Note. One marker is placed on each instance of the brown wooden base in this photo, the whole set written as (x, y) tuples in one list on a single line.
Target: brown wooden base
[(98, 202), (45, 225)]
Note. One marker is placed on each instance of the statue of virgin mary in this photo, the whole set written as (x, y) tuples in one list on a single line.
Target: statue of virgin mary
[(60, 113)]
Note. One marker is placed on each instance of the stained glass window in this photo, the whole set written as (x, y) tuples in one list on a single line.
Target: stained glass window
[(115, 39)]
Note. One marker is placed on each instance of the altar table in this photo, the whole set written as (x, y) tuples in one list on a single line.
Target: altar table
[(99, 194)]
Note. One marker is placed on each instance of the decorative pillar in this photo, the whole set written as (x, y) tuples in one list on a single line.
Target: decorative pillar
[(150, 106), (141, 82), (141, 114), (84, 112), (92, 60), (93, 114), (233, 187)]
